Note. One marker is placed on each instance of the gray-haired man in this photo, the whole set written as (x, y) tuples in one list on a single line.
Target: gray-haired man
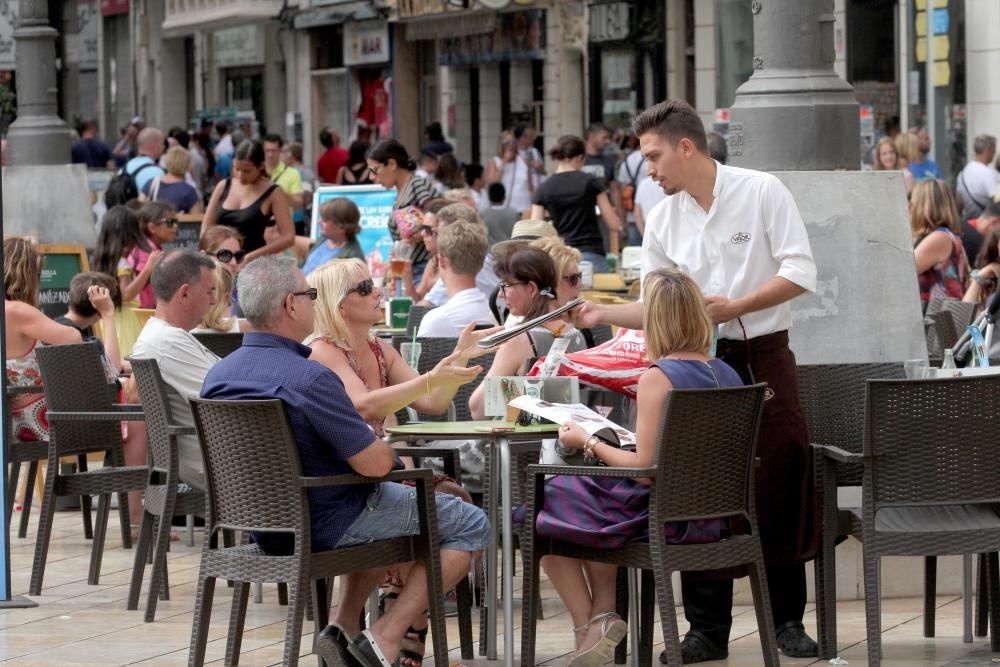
[(333, 439)]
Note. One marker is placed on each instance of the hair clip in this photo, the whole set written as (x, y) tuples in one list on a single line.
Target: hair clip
[(547, 291)]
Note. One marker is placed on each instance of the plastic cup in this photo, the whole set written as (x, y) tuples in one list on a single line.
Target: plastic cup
[(411, 353)]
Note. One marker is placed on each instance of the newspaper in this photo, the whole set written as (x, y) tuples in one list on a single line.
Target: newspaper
[(561, 413), (503, 336)]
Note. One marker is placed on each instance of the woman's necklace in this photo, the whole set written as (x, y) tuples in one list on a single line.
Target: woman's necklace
[(557, 332)]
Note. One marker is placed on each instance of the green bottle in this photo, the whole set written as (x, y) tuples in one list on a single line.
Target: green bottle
[(398, 311)]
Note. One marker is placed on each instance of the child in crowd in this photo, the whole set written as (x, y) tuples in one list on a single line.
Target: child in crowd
[(94, 297), (339, 226), (158, 226), (119, 237)]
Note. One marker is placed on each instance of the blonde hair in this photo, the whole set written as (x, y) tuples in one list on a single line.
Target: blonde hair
[(216, 317), (932, 206), (876, 155), (332, 282), (22, 270), (676, 318), (178, 161), (907, 147), (563, 255), (214, 237), (504, 137)]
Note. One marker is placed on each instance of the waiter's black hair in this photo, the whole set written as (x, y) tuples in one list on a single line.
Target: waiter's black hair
[(675, 120)]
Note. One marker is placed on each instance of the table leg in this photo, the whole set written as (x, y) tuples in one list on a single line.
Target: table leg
[(506, 507), (967, 598), (492, 600)]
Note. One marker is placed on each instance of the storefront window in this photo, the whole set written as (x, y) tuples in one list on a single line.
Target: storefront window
[(733, 49), (618, 87)]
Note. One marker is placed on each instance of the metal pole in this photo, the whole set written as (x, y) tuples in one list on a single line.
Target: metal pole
[(903, 51), (929, 105)]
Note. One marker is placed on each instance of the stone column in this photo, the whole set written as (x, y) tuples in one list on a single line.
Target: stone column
[(38, 136), (795, 112)]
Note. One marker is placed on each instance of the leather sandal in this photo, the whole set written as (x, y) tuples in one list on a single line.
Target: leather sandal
[(613, 630), (332, 646), (794, 642), (412, 647), (367, 652)]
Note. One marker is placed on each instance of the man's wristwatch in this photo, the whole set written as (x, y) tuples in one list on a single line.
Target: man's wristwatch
[(588, 447)]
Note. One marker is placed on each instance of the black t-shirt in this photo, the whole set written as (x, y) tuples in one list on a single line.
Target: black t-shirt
[(601, 166), (571, 198), (92, 152)]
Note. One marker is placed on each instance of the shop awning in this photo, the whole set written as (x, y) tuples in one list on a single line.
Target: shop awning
[(359, 10), (457, 25)]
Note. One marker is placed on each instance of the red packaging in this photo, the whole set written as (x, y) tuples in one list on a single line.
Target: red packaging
[(615, 365)]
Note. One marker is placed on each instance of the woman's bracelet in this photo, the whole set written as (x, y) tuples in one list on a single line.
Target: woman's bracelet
[(588, 447), (427, 383)]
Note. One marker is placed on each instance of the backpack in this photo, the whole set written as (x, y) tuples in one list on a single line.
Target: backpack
[(628, 190), (123, 188)]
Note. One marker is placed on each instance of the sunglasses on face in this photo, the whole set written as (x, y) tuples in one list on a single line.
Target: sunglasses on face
[(364, 288), (169, 222), (573, 279), (312, 293), (427, 229), (226, 256)]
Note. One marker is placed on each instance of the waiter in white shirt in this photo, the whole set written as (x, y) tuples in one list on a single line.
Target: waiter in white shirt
[(739, 235)]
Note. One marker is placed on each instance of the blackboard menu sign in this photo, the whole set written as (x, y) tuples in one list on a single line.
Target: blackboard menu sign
[(188, 232), (60, 263)]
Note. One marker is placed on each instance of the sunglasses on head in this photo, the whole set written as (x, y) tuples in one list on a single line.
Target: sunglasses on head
[(169, 222), (573, 279), (225, 256), (364, 288)]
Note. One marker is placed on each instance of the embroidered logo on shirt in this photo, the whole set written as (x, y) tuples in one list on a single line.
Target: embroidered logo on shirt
[(740, 238)]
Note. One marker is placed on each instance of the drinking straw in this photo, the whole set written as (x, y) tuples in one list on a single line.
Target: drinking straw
[(413, 349)]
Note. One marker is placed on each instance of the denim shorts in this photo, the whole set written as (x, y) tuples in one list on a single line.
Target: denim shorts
[(391, 511)]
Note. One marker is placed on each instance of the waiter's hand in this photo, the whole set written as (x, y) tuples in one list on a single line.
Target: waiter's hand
[(585, 316), (721, 309)]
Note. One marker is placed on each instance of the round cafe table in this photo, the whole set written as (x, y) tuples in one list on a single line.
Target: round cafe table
[(502, 438)]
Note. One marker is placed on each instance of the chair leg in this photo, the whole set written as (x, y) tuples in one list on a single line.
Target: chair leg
[(29, 494), (85, 503), (189, 530), (982, 597), (201, 620), (873, 618), (45, 518), (237, 619), (123, 519), (621, 608), (463, 595), (646, 603), (139, 561), (157, 581), (293, 626), (825, 569), (529, 586), (762, 607), (282, 593), (668, 617), (930, 594), (165, 588), (100, 532), (10, 493), (993, 575)]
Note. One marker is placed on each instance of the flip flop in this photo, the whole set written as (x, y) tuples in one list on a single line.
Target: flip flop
[(367, 652), (332, 645)]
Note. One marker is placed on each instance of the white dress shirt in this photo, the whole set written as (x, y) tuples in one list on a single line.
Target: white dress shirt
[(752, 232), (449, 320)]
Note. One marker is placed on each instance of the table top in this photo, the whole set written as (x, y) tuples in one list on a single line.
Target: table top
[(471, 429)]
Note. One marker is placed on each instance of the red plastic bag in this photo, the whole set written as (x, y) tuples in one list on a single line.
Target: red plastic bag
[(615, 365)]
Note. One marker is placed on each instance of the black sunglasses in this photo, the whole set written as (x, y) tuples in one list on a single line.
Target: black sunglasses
[(364, 288), (573, 279), (169, 222), (312, 293), (427, 229), (225, 256)]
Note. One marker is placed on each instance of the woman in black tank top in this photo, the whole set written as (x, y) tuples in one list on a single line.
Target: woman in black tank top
[(355, 172), (249, 202)]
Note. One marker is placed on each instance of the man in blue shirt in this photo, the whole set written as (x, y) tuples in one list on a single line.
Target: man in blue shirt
[(145, 166), (924, 168), (333, 439)]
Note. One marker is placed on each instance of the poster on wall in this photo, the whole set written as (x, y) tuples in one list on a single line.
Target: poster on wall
[(375, 204)]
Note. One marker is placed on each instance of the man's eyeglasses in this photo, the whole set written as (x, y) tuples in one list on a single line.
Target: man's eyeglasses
[(364, 288), (169, 222), (375, 170), (506, 286), (573, 279), (427, 229), (226, 256), (312, 293)]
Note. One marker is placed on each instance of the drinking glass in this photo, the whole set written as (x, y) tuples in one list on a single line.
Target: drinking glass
[(915, 369), (411, 353)]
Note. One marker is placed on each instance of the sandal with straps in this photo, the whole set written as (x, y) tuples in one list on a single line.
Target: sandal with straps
[(577, 630), (613, 630), (412, 647)]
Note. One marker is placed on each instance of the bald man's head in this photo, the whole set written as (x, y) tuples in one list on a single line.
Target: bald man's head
[(150, 142)]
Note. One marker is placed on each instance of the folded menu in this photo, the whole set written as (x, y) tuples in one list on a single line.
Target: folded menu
[(505, 335)]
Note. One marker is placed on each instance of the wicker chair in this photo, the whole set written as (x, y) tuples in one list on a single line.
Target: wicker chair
[(704, 468), (957, 316), (414, 318), (255, 482), (221, 344), (929, 485), (601, 334), (432, 351), (166, 497), (83, 418)]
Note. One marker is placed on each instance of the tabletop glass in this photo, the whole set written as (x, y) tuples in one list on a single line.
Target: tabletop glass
[(471, 429)]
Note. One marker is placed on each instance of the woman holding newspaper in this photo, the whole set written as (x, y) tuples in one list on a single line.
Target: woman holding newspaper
[(606, 513)]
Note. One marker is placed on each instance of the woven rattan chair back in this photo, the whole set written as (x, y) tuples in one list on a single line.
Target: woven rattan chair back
[(156, 408), (250, 459), (601, 334), (833, 399), (221, 344), (464, 392), (74, 381), (414, 318), (432, 351), (705, 453), (931, 441)]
